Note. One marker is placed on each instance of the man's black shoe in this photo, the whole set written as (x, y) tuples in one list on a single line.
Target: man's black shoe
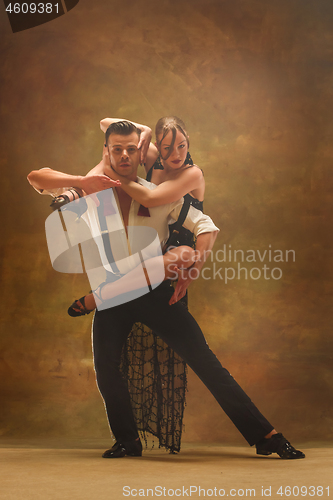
[(278, 444), (130, 448)]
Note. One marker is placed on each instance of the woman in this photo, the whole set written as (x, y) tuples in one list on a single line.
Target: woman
[(170, 166)]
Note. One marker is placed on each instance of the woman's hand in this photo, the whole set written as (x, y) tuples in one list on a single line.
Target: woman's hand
[(144, 142)]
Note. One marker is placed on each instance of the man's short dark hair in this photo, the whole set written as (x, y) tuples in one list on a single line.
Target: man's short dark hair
[(121, 128)]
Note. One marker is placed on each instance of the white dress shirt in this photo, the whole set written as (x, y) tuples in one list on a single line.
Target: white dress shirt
[(143, 240)]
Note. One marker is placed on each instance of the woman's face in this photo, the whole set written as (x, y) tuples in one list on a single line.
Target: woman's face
[(179, 151)]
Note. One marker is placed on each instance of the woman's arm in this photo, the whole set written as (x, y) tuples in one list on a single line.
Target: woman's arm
[(98, 169), (167, 192), (49, 179), (106, 122), (151, 157)]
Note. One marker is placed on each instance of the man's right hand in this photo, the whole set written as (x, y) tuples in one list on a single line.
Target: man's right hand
[(95, 183)]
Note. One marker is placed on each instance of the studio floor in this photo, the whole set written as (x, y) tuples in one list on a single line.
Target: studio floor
[(61, 471)]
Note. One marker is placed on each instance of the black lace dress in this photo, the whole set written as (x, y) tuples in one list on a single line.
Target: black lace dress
[(156, 375)]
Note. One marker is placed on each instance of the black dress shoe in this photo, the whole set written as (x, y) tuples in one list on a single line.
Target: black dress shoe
[(119, 450), (278, 444)]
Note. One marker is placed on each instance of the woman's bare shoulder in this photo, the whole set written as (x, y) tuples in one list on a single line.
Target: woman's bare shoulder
[(194, 171)]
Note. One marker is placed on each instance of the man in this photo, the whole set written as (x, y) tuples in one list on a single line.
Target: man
[(173, 323)]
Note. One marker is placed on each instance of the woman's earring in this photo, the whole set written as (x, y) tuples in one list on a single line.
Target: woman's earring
[(158, 165), (188, 160)]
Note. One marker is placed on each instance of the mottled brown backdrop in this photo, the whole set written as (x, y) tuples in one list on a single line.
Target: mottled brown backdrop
[(253, 81)]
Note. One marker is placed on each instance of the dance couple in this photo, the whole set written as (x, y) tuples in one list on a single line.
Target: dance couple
[(172, 178)]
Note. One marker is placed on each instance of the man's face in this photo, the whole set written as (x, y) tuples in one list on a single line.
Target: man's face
[(124, 154)]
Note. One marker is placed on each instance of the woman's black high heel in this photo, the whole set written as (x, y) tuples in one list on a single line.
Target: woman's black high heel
[(63, 199), (77, 205), (78, 310)]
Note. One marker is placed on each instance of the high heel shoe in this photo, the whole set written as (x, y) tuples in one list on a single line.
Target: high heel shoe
[(78, 205), (63, 199), (78, 308)]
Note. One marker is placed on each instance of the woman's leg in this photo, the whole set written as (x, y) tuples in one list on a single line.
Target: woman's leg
[(149, 274)]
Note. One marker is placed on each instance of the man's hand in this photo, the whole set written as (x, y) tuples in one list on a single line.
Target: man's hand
[(183, 282), (95, 183), (144, 142)]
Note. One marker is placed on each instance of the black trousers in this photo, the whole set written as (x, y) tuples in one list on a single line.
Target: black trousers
[(175, 325)]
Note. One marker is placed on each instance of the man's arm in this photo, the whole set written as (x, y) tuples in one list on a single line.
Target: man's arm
[(204, 245), (49, 179)]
